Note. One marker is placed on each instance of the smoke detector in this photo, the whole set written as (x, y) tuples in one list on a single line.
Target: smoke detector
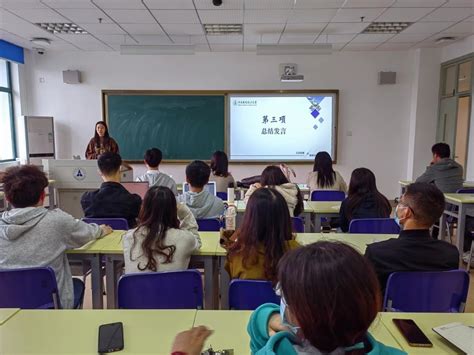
[(40, 41)]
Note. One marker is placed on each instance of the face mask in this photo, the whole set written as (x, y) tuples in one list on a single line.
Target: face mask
[(397, 219), (284, 321)]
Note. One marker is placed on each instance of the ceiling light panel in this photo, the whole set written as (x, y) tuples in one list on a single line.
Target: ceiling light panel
[(222, 29), (62, 28), (386, 27)]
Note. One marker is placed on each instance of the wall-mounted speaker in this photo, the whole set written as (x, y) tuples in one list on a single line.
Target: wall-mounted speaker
[(71, 76), (387, 77)]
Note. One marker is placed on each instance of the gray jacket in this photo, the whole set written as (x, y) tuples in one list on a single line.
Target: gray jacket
[(446, 174), (202, 204), (156, 178), (35, 236)]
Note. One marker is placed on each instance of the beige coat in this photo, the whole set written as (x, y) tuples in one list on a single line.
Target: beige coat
[(288, 190), (339, 183)]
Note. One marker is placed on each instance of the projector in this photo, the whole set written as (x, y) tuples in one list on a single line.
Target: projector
[(292, 78)]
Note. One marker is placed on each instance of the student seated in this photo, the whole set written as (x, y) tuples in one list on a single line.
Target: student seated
[(414, 250), (33, 236), (262, 239), (200, 201), (166, 236), (329, 298), (220, 172), (444, 172), (323, 176), (153, 176), (112, 200), (363, 199), (272, 176)]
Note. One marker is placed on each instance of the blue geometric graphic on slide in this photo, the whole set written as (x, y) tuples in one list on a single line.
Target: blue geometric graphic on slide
[(315, 108)]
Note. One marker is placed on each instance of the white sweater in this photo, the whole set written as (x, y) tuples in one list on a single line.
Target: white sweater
[(288, 190), (186, 239)]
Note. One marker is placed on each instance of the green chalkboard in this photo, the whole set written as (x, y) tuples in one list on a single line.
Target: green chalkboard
[(184, 127)]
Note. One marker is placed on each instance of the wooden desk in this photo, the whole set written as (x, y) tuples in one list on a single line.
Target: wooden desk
[(427, 321), (230, 330), (7, 313), (322, 209), (358, 241), (110, 247), (76, 332), (465, 207)]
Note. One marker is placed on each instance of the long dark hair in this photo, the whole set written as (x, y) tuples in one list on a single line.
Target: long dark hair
[(323, 166), (319, 301), (106, 134), (266, 224), (220, 164), (158, 214), (273, 176), (362, 184)]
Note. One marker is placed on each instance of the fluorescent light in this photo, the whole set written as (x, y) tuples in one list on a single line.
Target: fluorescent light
[(270, 49), (386, 27), (157, 50), (62, 28), (222, 29)]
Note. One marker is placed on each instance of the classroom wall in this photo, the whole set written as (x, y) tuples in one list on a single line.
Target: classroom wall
[(373, 119)]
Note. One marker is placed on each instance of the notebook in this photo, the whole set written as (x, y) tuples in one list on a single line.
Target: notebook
[(460, 335)]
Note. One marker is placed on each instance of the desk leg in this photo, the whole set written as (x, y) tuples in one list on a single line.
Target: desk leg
[(461, 228), (210, 282), (96, 282), (224, 281), (307, 222), (110, 285), (317, 223), (442, 226)]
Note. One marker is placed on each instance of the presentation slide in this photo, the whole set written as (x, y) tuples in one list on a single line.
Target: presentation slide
[(281, 128)]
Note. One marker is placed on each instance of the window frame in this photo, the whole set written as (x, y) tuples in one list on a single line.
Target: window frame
[(8, 89)]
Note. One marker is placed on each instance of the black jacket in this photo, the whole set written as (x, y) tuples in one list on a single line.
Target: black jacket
[(413, 250), (366, 209), (112, 200)]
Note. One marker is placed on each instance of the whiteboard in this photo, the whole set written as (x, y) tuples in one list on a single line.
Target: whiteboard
[(39, 136)]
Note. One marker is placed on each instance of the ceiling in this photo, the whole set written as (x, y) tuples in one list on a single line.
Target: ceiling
[(168, 22)]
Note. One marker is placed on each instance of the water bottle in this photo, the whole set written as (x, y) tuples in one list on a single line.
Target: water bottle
[(231, 211)]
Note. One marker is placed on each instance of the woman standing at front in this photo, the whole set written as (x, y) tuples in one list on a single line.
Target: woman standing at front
[(101, 142)]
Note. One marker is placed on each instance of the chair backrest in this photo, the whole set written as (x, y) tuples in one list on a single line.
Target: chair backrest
[(222, 195), (249, 294), (433, 291), (374, 226), (209, 224), (29, 288), (115, 223), (161, 290), (298, 224), (465, 190), (327, 195)]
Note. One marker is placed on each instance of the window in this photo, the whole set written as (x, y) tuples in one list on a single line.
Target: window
[(7, 133)]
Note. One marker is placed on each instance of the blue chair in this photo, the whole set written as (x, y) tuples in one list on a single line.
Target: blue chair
[(161, 290), (465, 191), (209, 224), (433, 291), (115, 223), (298, 224), (249, 294), (327, 195), (374, 226), (29, 288), (222, 195)]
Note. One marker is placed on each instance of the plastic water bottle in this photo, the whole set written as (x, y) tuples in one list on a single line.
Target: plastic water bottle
[(231, 211)]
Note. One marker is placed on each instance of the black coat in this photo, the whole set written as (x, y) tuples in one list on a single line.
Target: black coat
[(413, 250), (112, 200)]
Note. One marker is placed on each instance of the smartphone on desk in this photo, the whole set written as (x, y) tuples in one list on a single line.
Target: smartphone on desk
[(412, 333), (110, 337)]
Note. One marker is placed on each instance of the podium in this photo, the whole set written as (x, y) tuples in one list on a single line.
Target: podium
[(72, 178)]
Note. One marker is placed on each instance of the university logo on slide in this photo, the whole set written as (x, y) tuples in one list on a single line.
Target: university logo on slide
[(79, 174), (244, 102)]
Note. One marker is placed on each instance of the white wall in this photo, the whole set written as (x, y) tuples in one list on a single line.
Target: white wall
[(377, 116)]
